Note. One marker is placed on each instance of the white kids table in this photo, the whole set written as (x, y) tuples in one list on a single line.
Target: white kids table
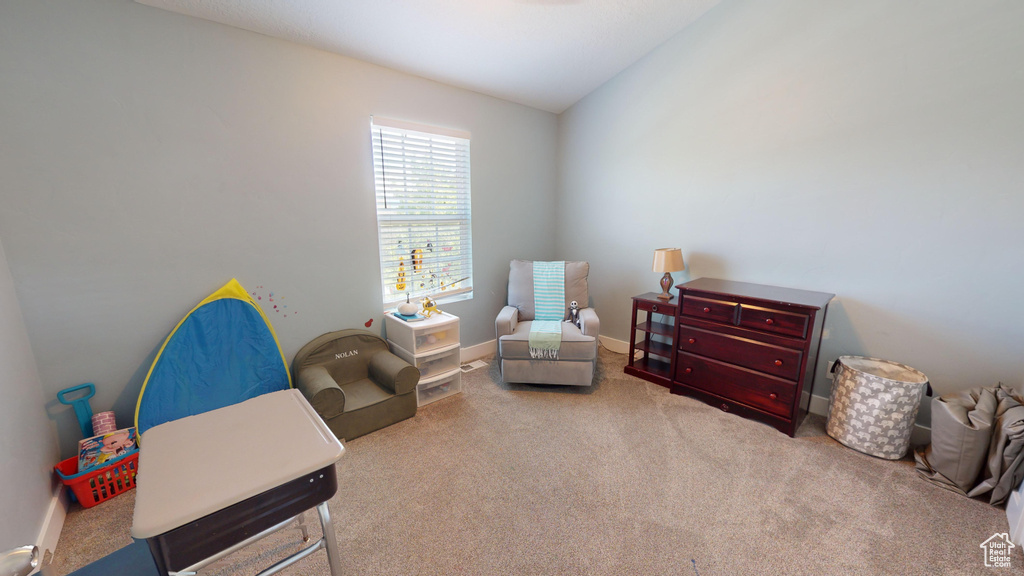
[(215, 482)]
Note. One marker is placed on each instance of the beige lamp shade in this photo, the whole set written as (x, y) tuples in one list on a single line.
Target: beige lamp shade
[(668, 260)]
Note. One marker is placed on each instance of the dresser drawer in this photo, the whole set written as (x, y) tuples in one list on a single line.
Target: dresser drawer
[(774, 321), (761, 391), (774, 360), (669, 309), (707, 309)]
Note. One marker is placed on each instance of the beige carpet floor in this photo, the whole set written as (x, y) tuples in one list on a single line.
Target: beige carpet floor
[(619, 478)]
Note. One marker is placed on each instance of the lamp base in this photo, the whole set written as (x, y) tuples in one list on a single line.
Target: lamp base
[(666, 285)]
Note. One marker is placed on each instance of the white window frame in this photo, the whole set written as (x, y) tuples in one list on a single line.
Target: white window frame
[(424, 212)]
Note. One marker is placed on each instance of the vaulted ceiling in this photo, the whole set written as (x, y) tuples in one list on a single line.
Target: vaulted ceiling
[(542, 53)]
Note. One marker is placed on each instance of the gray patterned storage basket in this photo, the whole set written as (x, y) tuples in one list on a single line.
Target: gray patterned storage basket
[(874, 405)]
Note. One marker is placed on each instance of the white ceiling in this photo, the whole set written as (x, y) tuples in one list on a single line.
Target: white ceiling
[(542, 53)]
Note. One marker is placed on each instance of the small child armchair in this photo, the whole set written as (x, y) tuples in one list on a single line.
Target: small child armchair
[(355, 383)]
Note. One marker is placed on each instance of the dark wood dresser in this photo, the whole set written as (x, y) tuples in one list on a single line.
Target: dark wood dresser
[(748, 349)]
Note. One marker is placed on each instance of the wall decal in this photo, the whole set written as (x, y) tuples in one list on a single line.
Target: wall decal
[(279, 307)]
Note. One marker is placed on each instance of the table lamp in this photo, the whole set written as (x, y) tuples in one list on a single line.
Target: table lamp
[(667, 260)]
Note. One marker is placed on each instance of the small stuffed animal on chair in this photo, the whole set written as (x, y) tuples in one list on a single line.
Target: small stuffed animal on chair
[(574, 313)]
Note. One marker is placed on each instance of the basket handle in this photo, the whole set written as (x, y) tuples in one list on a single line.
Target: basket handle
[(81, 405), (88, 386)]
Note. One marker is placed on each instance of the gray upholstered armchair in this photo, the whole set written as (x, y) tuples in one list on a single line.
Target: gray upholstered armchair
[(355, 383), (577, 352)]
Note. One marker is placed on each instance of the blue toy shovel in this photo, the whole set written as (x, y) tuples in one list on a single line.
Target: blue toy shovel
[(81, 405)]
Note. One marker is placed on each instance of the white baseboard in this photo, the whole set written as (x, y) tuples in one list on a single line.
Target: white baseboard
[(617, 346), (53, 523), (920, 435), (819, 405), (478, 351)]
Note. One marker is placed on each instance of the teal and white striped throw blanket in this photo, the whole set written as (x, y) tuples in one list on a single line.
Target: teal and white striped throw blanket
[(549, 302)]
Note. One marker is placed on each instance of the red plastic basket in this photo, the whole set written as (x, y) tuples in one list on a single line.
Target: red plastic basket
[(95, 486)]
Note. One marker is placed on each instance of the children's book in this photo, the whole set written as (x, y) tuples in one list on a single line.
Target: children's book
[(413, 318), (97, 451)]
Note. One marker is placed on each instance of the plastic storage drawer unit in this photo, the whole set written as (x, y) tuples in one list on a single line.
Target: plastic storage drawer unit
[(432, 363), (431, 345), (439, 331), (441, 387)]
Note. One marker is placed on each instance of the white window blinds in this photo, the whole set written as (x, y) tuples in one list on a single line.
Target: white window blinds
[(422, 180)]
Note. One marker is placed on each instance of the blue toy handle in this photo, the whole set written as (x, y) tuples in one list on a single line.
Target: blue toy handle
[(81, 405)]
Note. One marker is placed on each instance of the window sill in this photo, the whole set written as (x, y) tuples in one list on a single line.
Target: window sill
[(439, 300)]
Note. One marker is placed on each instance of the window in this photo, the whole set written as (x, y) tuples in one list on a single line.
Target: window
[(421, 177)]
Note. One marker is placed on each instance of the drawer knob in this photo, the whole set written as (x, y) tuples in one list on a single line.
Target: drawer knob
[(654, 308), (725, 407), (778, 362), (773, 396), (688, 370), (769, 321), (692, 340), (706, 309)]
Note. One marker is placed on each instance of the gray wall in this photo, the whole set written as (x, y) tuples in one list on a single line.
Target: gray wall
[(149, 157), (28, 449), (870, 149)]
